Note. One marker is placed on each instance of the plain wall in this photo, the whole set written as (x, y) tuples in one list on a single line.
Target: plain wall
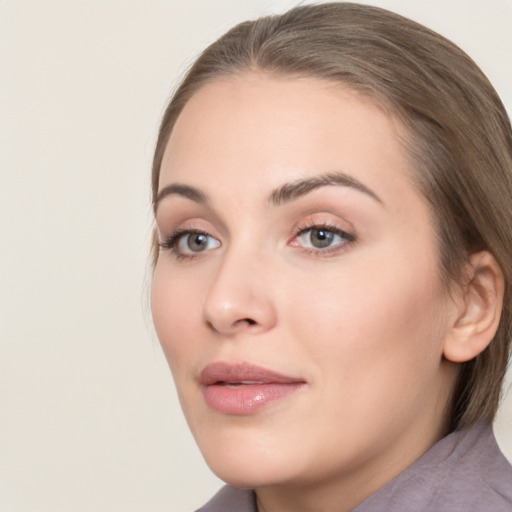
[(89, 420)]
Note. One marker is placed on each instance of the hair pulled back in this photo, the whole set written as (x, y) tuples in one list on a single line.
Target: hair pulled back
[(459, 137)]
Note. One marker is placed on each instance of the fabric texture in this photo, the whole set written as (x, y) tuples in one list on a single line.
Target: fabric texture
[(230, 499), (464, 472)]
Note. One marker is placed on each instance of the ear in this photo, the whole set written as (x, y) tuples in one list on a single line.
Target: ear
[(479, 304)]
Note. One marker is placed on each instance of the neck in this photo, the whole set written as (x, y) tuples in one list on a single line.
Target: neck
[(343, 492)]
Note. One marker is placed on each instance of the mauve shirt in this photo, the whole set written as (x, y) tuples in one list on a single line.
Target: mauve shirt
[(464, 472)]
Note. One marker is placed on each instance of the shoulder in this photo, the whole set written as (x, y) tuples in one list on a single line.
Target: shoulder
[(232, 499), (480, 477), (464, 472)]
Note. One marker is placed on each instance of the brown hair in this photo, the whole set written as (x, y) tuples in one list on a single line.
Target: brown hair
[(459, 136)]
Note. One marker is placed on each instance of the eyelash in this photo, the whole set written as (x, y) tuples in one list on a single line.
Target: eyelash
[(172, 241), (347, 238)]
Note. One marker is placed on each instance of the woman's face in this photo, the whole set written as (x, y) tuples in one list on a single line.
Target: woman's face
[(297, 294)]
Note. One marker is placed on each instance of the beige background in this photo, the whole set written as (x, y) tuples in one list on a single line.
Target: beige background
[(88, 415)]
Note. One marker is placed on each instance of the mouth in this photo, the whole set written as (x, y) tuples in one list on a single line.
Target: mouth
[(244, 389)]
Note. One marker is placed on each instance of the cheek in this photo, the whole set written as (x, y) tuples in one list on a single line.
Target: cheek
[(172, 301), (373, 318), (375, 352)]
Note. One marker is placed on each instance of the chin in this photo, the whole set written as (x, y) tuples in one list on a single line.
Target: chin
[(249, 475), (246, 463)]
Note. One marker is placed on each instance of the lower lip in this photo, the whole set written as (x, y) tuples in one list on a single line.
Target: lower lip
[(247, 399)]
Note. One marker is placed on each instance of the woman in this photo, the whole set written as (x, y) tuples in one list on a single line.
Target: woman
[(332, 191)]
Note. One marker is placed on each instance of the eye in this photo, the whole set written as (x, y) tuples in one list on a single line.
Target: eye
[(323, 237), (189, 243)]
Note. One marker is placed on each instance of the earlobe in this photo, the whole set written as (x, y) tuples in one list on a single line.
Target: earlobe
[(479, 311)]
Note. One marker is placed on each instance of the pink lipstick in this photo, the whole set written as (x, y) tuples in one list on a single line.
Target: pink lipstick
[(244, 389)]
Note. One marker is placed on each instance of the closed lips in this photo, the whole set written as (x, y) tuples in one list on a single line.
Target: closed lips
[(244, 389), (242, 373)]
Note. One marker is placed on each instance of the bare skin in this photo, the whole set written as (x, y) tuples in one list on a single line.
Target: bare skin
[(316, 259)]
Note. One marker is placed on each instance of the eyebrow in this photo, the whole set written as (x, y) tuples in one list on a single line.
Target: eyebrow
[(283, 194), (290, 191), (178, 189)]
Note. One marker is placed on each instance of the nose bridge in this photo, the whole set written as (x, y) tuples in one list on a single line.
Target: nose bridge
[(240, 296)]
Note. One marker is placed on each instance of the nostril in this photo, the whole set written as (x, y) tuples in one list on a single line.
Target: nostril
[(239, 323), (247, 321)]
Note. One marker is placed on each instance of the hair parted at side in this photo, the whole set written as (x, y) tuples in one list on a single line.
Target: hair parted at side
[(459, 137)]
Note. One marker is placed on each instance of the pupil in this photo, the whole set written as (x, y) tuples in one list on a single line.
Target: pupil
[(321, 238), (196, 242)]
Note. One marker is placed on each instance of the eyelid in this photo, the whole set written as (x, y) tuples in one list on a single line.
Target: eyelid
[(327, 227), (323, 219), (178, 224), (171, 242), (348, 237)]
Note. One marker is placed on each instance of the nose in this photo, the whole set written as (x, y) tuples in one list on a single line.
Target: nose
[(240, 298)]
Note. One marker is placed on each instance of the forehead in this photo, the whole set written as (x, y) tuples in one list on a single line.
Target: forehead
[(262, 130)]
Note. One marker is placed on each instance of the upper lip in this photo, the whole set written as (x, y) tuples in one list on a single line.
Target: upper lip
[(242, 373)]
